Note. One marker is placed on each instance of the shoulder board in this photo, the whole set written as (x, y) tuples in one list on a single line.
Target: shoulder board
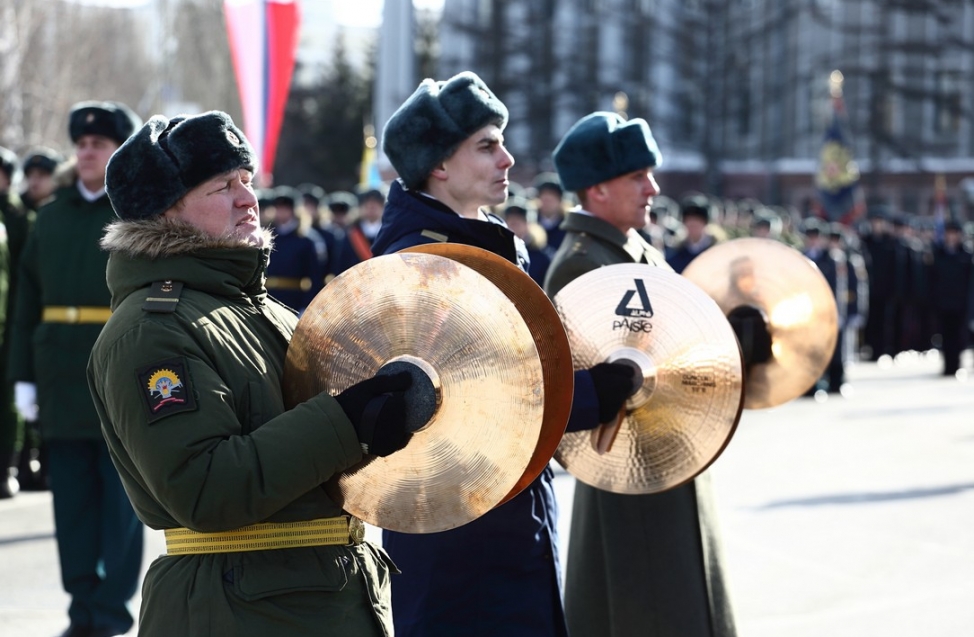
[(435, 236), (163, 297)]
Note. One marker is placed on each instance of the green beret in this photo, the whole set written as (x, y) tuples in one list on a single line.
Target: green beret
[(433, 122), (113, 120), (601, 146), (166, 159)]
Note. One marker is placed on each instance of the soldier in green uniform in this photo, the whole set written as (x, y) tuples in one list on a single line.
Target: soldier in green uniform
[(61, 306), (187, 379), (39, 168), (637, 564), (9, 423)]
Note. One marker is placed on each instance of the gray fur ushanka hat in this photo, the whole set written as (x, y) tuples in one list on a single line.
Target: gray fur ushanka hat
[(435, 120), (601, 146), (166, 159)]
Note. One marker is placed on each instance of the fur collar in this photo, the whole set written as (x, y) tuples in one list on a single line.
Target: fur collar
[(160, 237)]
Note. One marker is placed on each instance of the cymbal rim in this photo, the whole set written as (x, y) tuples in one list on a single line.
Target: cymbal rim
[(795, 298), (693, 411), (444, 314)]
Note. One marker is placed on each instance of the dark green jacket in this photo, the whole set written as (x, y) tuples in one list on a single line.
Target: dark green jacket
[(4, 283), (591, 243), (222, 452), (61, 266), (638, 564)]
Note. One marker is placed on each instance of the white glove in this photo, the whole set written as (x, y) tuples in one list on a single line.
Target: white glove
[(25, 399)]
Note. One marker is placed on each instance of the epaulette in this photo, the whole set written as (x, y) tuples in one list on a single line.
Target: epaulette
[(163, 297)]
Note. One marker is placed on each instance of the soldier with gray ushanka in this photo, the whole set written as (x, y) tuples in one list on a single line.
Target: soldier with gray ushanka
[(187, 380), (637, 564)]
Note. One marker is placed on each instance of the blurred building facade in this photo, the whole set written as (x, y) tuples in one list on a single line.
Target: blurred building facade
[(737, 93)]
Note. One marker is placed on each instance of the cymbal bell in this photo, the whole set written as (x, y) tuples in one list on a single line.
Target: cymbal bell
[(549, 337), (796, 300), (689, 381), (466, 334)]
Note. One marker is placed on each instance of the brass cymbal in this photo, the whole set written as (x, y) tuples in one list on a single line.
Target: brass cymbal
[(689, 379), (472, 342), (549, 337), (796, 300)]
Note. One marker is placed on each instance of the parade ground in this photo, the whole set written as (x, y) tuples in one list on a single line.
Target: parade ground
[(847, 517)]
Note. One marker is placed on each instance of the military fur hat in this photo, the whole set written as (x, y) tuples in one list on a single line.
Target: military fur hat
[(341, 201), (548, 181), (42, 158), (113, 120), (601, 146), (433, 122), (285, 195), (8, 162), (695, 204), (167, 158)]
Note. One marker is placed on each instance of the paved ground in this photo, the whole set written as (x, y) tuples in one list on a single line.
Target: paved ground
[(848, 518)]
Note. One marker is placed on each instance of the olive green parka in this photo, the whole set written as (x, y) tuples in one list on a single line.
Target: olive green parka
[(222, 452)]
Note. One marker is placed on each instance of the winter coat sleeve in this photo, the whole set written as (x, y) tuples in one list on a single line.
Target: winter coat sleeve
[(234, 459), (27, 314)]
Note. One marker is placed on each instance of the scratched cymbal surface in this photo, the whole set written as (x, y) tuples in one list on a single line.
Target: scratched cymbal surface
[(689, 400), (549, 337), (796, 300), (470, 338)]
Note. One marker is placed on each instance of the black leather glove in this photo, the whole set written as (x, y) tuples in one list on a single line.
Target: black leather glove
[(377, 408), (613, 385), (752, 333)]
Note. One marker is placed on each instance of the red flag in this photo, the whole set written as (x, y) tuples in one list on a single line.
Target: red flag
[(263, 38)]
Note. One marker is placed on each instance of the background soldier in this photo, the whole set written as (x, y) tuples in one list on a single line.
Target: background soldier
[(12, 237), (696, 212), (356, 245), (951, 293), (62, 304), (39, 167), (294, 273), (637, 564)]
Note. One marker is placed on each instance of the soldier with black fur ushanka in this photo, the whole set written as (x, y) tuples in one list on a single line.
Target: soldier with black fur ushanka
[(61, 306), (187, 380)]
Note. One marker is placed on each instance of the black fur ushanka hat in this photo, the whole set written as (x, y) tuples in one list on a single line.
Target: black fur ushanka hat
[(435, 120), (166, 159)]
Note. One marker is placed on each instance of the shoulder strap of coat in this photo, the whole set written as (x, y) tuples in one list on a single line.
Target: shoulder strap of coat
[(163, 297)]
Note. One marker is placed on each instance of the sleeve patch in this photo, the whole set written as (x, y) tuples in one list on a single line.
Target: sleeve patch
[(166, 389)]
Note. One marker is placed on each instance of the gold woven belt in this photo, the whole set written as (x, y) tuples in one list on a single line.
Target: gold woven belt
[(287, 283), (61, 314), (343, 530)]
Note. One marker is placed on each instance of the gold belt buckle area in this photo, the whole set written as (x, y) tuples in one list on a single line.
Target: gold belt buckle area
[(72, 314), (356, 531)]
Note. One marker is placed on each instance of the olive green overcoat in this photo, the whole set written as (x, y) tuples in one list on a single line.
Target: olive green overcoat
[(638, 565)]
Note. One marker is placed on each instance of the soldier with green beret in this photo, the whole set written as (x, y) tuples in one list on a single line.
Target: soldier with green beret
[(61, 306), (187, 381)]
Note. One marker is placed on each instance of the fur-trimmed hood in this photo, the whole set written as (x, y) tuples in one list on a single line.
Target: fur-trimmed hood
[(159, 249), (160, 237)]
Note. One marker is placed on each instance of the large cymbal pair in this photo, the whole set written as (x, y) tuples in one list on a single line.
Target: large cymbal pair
[(496, 356), (691, 381)]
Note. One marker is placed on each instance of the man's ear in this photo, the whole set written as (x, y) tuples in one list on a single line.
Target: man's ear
[(598, 192), (439, 172)]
